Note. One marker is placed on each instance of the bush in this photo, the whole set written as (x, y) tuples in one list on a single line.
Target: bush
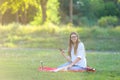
[(108, 21)]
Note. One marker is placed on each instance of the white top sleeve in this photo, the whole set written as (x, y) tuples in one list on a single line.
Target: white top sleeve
[(81, 50)]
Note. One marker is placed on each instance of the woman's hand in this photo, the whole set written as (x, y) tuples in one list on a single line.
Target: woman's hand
[(69, 66), (62, 52)]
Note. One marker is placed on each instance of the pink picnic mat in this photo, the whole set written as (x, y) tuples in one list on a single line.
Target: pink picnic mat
[(50, 69)]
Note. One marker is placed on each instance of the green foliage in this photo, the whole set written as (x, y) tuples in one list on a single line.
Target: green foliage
[(18, 11), (108, 21), (91, 9), (111, 9), (53, 36), (38, 18), (85, 21), (52, 13), (3, 7), (15, 5), (85, 12), (97, 7), (80, 12)]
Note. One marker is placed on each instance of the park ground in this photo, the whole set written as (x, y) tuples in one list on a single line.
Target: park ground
[(23, 64)]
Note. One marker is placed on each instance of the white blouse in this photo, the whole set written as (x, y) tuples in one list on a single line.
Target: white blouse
[(81, 54)]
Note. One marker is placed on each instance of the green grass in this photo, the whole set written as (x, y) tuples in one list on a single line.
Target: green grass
[(22, 64)]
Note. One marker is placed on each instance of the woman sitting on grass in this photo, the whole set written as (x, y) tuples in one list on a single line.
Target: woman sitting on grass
[(76, 55)]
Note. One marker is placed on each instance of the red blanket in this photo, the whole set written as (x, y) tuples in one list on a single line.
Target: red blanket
[(49, 69)]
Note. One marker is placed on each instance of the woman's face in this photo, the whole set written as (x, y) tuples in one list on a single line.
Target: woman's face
[(74, 38)]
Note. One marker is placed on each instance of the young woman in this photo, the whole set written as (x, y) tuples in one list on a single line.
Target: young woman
[(76, 55)]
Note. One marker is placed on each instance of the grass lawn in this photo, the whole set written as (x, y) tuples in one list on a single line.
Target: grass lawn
[(22, 64)]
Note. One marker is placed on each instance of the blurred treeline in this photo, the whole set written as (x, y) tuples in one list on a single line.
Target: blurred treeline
[(82, 12)]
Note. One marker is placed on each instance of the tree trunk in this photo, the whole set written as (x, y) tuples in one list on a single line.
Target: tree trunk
[(17, 17), (24, 17), (43, 4), (71, 11), (1, 22)]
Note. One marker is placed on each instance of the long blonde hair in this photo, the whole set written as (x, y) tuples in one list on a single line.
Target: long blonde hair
[(70, 44)]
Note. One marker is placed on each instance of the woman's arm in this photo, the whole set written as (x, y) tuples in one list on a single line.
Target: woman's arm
[(66, 57), (74, 62)]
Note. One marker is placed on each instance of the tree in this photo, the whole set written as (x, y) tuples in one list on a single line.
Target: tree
[(1, 21), (19, 8), (71, 11), (43, 4)]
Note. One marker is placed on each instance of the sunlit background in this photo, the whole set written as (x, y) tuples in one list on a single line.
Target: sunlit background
[(33, 30)]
